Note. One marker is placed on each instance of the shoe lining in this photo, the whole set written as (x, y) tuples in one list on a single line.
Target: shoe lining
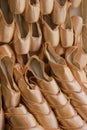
[(36, 67), (6, 11), (35, 30), (53, 58), (33, 2), (23, 26), (61, 2), (49, 22)]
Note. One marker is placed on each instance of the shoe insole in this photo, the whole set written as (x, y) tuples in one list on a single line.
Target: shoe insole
[(49, 21)]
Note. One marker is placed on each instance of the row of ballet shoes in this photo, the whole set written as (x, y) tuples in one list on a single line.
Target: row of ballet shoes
[(51, 32), (31, 9), (67, 116)]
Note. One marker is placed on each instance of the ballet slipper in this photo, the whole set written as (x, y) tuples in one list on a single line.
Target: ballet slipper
[(20, 118), (35, 37), (50, 31), (5, 50), (77, 23), (6, 23), (34, 100), (66, 33), (84, 38), (21, 36), (2, 123), (77, 65), (84, 10), (66, 114), (17, 6), (75, 3), (60, 11), (32, 11), (68, 84), (45, 7)]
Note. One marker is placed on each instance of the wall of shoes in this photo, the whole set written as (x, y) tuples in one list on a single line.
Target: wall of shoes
[(43, 65)]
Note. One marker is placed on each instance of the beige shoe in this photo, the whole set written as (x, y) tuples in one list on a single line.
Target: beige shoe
[(77, 65), (5, 50), (32, 11), (50, 31), (77, 23), (68, 84), (35, 37), (34, 100), (60, 11), (45, 7), (2, 123), (21, 36), (66, 33), (75, 3), (6, 23), (17, 6), (19, 118), (84, 38), (21, 39), (66, 114)]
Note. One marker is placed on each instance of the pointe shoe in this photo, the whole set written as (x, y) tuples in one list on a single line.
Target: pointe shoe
[(66, 33), (60, 104), (68, 84), (75, 3), (16, 114), (2, 123), (45, 7), (35, 37), (50, 31), (32, 11), (84, 38), (20, 118), (21, 36), (84, 9), (34, 100), (77, 65), (77, 23), (60, 11), (21, 39), (17, 6), (10, 92), (6, 23), (5, 50)]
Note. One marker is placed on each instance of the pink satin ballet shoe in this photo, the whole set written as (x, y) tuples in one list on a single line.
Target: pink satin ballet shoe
[(6, 23), (77, 65), (35, 37), (45, 7), (60, 11), (17, 6), (50, 31), (32, 11), (66, 33)]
